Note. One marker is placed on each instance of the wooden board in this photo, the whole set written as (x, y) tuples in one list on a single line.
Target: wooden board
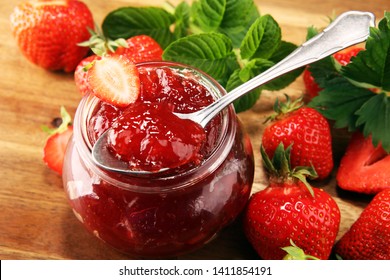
[(35, 219)]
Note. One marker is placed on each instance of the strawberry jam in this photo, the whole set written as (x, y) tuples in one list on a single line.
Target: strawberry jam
[(169, 213)]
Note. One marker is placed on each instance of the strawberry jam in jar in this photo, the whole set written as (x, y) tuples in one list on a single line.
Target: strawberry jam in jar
[(161, 214)]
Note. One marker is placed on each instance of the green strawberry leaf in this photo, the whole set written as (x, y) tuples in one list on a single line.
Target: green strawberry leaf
[(210, 52), (339, 101), (208, 14), (182, 22), (356, 96), (377, 105), (131, 21), (262, 39), (239, 16), (248, 100), (284, 49), (372, 67)]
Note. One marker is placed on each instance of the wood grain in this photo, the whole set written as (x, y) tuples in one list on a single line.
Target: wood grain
[(35, 219)]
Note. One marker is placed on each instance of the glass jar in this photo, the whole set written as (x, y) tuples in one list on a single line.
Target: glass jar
[(162, 214)]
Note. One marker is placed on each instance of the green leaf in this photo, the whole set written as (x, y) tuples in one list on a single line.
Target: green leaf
[(208, 14), (379, 128), (210, 52), (248, 100), (254, 67), (372, 66), (262, 39), (239, 16), (182, 22), (131, 21), (339, 101), (284, 49)]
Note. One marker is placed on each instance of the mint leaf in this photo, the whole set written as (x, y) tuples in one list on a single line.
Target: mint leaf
[(284, 49), (182, 22), (208, 14), (372, 66), (262, 39), (131, 21), (379, 128), (239, 16), (210, 52), (248, 100)]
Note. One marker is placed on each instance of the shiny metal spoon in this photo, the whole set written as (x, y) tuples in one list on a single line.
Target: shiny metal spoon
[(346, 30)]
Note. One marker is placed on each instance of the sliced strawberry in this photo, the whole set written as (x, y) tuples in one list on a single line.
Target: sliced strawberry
[(55, 146), (141, 48), (54, 150), (80, 74), (114, 79), (364, 168)]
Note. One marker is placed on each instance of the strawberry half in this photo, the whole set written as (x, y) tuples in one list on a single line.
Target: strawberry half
[(369, 236), (364, 168), (56, 143), (114, 79)]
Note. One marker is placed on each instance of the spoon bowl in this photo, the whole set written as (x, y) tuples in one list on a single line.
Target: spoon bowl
[(348, 29)]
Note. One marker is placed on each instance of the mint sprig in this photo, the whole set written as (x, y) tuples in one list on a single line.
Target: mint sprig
[(357, 96), (228, 39)]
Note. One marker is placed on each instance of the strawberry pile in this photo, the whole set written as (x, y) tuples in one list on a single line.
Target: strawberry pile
[(289, 219)]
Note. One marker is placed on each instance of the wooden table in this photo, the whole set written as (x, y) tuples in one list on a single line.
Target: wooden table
[(35, 220)]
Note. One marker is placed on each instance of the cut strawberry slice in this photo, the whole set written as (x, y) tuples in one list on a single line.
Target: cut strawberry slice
[(55, 146), (364, 168), (54, 150), (114, 79)]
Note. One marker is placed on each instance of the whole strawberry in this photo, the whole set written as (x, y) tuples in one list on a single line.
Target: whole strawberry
[(289, 209), (364, 168), (48, 31), (369, 237), (306, 130)]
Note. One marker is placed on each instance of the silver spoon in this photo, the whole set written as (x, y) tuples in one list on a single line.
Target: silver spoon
[(346, 30)]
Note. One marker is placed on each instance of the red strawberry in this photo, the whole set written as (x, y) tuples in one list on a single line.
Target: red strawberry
[(306, 130), (141, 48), (80, 74), (47, 32), (369, 237), (55, 146), (114, 79), (290, 209), (343, 57), (311, 87), (364, 168)]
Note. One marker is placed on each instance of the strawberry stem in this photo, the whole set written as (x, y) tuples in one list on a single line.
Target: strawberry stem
[(280, 166), (283, 108), (296, 253), (66, 121)]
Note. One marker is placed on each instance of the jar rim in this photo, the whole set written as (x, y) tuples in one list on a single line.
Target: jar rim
[(189, 177)]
